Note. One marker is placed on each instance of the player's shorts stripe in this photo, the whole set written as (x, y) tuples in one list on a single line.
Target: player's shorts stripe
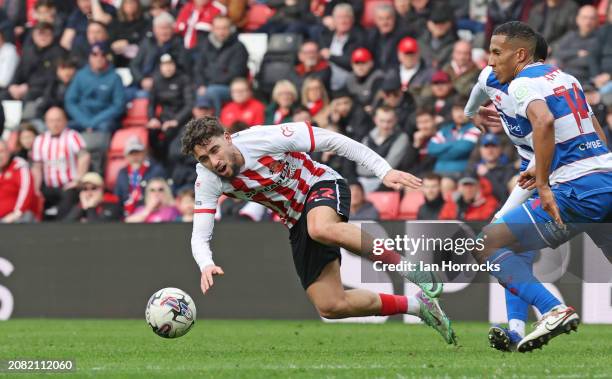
[(311, 133), (205, 210)]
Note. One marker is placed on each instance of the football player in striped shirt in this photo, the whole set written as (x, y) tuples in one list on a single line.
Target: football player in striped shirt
[(269, 165)]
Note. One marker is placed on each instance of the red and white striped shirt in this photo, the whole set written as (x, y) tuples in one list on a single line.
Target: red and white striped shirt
[(16, 188), (277, 174), (192, 20), (58, 155)]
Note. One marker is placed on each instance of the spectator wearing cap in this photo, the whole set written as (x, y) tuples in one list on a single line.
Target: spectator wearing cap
[(37, 68), (348, 117), (221, 59), (361, 209), (365, 80), (133, 178), (391, 95), (170, 103), (412, 73), (57, 171), (437, 43), (470, 202), (158, 205), (453, 143), (96, 33), (55, 91), (553, 18), (194, 20), (92, 205), (95, 98), (243, 107), (315, 100), (383, 39), (284, 99), (600, 61), (462, 70), (127, 30), (572, 51), (434, 201), (9, 59), (337, 44), (389, 142), (442, 96), (310, 64), (494, 166), (86, 11), (162, 41), (17, 198)]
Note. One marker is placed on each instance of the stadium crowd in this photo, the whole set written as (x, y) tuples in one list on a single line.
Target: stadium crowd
[(96, 93)]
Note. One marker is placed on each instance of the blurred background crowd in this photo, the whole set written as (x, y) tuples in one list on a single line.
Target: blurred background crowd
[(95, 95)]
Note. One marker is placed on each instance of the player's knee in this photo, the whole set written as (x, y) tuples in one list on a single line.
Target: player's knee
[(322, 233), (332, 310)]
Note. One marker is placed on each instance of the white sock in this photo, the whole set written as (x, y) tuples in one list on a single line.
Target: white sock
[(518, 326), (413, 306)]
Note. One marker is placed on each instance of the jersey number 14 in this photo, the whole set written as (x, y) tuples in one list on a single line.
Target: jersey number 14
[(576, 104)]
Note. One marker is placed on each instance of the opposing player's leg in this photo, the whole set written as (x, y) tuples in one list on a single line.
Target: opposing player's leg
[(517, 310), (323, 227), (332, 301)]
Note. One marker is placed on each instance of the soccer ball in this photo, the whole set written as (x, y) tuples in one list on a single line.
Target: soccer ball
[(170, 312)]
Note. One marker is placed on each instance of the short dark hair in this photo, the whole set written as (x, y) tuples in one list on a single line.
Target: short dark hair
[(432, 176), (518, 30), (424, 110), (199, 132), (541, 48), (460, 101), (44, 3), (385, 109)]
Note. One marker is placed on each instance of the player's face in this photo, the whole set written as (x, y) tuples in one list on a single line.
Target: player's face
[(218, 156), (503, 58)]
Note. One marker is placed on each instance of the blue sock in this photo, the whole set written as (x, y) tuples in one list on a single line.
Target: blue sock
[(517, 308), (516, 276)]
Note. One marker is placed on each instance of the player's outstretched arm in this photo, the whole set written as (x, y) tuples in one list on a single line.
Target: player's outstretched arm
[(200, 247), (399, 179)]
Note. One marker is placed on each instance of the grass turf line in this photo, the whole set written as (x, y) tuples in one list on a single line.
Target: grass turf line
[(304, 349)]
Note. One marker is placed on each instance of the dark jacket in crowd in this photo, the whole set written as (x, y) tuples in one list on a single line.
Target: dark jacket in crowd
[(221, 65), (53, 95), (496, 15), (364, 89), (430, 210), (356, 125), (565, 51), (104, 212), (437, 53), (354, 41), (37, 68), (132, 31), (146, 62), (419, 81), (553, 22), (384, 46), (181, 166), (122, 186), (173, 95), (601, 56)]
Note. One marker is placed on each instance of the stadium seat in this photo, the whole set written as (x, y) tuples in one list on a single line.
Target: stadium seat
[(410, 204), (12, 113), (256, 45), (284, 43), (369, 6), (257, 15), (387, 203), (137, 113), (271, 72), (120, 138), (126, 75), (113, 166)]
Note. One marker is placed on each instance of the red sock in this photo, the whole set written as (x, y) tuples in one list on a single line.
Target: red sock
[(388, 256), (392, 304)]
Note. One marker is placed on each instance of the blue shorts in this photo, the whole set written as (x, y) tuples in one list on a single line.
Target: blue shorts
[(585, 205)]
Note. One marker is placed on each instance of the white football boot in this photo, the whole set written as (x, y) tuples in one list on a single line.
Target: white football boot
[(561, 319)]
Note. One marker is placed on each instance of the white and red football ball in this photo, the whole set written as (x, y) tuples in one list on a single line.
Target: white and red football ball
[(170, 312)]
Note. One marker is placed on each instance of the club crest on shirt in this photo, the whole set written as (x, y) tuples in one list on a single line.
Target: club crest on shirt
[(287, 130)]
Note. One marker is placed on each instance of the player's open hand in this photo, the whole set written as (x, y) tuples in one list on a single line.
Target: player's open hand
[(398, 179), (549, 204), (207, 277), (527, 179), (488, 118)]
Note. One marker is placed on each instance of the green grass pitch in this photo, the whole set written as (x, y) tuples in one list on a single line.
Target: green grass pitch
[(301, 349)]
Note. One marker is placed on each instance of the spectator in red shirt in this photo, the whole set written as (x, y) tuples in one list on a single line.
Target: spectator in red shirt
[(243, 107), (194, 21), (60, 160), (17, 199), (470, 202)]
